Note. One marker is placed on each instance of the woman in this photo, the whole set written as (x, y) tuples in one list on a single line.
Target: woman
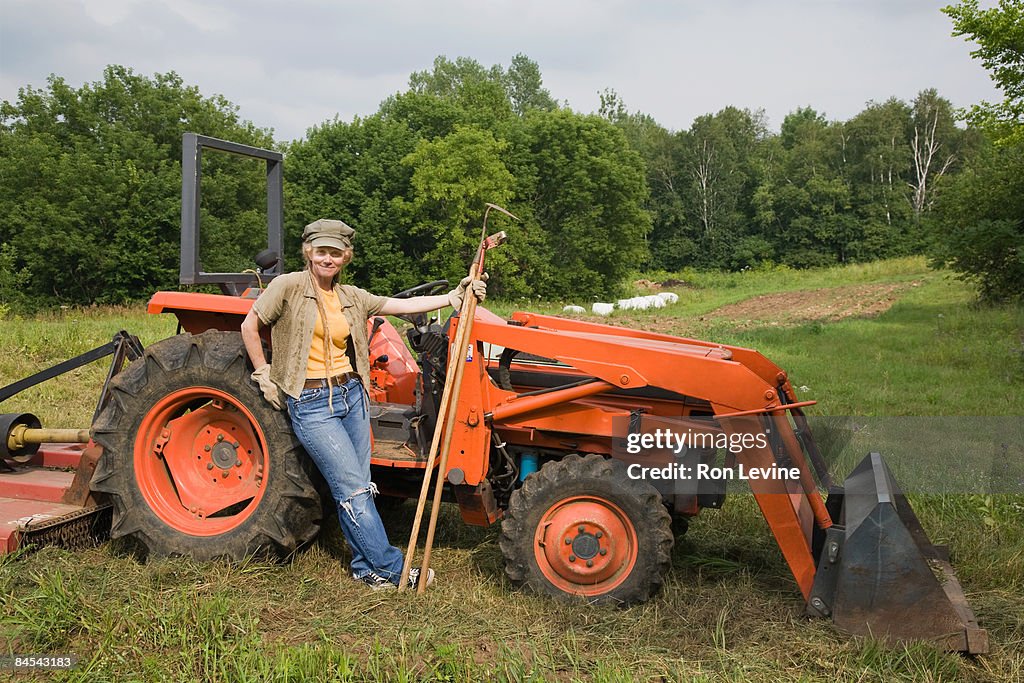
[(321, 367)]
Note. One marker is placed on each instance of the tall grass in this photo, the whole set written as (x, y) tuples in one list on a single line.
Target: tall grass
[(30, 345), (730, 610)]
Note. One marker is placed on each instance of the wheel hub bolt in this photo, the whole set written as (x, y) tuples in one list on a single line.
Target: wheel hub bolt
[(209, 465), (238, 463), (568, 541), (207, 448), (235, 444), (599, 534), (590, 563), (581, 528), (224, 475), (572, 558), (220, 437), (604, 551)]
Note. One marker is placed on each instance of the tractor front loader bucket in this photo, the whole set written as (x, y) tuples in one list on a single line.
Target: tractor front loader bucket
[(879, 575)]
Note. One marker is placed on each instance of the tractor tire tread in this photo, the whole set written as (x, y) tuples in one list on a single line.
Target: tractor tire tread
[(290, 512)]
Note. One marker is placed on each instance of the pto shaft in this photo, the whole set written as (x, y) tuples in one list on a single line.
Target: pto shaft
[(22, 436)]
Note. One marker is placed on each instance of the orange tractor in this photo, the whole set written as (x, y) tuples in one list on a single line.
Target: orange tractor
[(583, 440)]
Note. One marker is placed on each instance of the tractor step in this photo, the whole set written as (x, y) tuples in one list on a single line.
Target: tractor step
[(396, 454)]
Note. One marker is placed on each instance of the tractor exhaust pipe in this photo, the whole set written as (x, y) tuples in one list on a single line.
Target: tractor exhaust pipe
[(879, 575)]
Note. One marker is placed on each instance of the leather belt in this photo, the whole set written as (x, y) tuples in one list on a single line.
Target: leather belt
[(337, 380)]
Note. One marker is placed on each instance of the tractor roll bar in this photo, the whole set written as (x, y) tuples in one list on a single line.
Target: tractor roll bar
[(192, 145)]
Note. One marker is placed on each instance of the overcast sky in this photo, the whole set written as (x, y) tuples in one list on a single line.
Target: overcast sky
[(291, 64)]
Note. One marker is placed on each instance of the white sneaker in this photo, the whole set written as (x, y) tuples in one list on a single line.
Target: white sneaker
[(414, 578)]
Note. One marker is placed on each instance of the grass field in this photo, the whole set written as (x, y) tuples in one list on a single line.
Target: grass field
[(892, 339)]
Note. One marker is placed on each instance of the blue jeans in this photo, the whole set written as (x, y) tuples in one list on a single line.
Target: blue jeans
[(339, 444)]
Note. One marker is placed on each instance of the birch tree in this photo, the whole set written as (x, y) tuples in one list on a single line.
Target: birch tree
[(931, 146), (719, 158)]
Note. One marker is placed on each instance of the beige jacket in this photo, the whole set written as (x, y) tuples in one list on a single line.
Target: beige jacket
[(288, 306)]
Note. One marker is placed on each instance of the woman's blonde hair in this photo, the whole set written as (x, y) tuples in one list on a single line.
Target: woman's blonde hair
[(307, 255)]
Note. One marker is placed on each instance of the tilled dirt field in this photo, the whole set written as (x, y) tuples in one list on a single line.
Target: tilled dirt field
[(777, 309), (823, 305)]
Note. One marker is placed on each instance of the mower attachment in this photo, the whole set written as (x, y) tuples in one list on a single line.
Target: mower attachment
[(879, 575)]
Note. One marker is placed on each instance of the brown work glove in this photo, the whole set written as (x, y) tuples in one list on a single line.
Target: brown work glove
[(456, 296), (271, 391)]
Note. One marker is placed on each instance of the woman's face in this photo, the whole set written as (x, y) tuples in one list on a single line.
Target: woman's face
[(326, 262)]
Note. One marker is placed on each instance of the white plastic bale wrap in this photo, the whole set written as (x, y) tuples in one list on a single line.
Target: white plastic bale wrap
[(669, 297), (641, 303)]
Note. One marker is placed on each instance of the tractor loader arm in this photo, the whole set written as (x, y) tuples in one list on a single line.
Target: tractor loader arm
[(876, 574)]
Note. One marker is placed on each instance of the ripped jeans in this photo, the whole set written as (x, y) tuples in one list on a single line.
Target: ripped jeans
[(340, 446)]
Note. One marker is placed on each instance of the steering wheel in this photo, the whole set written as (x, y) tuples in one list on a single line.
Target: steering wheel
[(425, 289)]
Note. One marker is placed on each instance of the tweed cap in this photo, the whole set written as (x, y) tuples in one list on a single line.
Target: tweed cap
[(327, 232)]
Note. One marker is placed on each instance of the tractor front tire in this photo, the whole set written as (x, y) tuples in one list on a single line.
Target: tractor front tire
[(196, 462), (581, 528)]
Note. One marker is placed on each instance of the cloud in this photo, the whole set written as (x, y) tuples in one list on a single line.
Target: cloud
[(294, 65)]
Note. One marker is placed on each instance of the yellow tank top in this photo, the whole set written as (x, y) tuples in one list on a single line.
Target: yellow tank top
[(316, 366)]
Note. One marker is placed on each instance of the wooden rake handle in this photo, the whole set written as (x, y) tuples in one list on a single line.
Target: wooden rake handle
[(446, 412)]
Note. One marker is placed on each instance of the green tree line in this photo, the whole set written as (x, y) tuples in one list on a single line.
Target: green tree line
[(90, 183), (728, 193)]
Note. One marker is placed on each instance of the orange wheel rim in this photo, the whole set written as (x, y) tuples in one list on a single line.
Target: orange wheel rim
[(585, 545), (201, 461)]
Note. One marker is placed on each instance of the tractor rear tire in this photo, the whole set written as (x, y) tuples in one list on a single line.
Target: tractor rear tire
[(581, 528), (197, 463)]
